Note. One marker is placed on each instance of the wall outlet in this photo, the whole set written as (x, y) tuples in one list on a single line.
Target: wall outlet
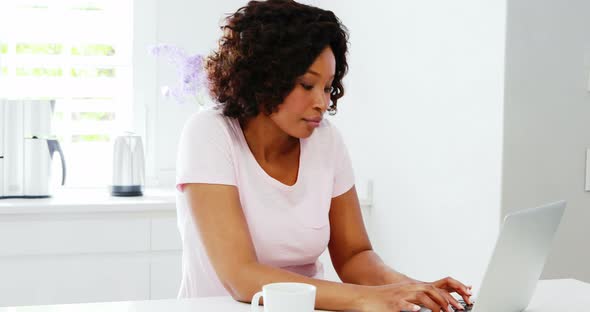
[(588, 170)]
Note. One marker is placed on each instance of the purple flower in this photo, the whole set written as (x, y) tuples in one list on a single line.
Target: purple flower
[(190, 69)]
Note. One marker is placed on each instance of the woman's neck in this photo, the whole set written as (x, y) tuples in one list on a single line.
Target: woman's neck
[(266, 140)]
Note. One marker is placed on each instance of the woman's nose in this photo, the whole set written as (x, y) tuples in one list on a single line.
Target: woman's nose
[(322, 101)]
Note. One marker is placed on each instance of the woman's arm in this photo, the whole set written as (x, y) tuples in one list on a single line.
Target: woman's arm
[(354, 259), (226, 238), (350, 249)]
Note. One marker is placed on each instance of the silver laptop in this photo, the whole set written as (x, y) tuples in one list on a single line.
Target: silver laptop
[(518, 259)]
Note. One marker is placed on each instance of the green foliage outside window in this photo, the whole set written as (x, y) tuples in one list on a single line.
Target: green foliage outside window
[(93, 50), (3, 48), (88, 8), (34, 6), (58, 116), (105, 72), (95, 98), (92, 73), (90, 138), (38, 72), (94, 116), (39, 48)]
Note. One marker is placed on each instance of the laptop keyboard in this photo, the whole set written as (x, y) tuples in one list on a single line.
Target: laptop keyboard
[(468, 307)]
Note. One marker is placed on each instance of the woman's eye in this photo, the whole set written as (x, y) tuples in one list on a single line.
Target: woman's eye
[(306, 87), (309, 87)]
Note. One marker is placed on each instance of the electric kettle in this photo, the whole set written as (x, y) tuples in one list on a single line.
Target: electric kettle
[(128, 166), (27, 148)]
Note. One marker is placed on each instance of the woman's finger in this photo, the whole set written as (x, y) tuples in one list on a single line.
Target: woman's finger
[(452, 285), (467, 296), (452, 300), (461, 289), (435, 295), (408, 306), (425, 300)]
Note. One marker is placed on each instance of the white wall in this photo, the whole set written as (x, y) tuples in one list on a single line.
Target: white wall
[(422, 117), (547, 121)]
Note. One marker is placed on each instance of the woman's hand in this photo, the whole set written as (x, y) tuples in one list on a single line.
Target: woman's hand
[(405, 296), (450, 285)]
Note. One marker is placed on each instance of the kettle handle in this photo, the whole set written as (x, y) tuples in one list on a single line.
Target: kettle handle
[(54, 146)]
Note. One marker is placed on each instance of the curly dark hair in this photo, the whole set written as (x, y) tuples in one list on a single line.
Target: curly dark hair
[(265, 46)]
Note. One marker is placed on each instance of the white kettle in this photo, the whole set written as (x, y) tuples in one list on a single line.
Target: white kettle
[(27, 148), (128, 166), (37, 170)]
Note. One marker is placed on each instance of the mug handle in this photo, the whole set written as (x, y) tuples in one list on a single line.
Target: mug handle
[(256, 301)]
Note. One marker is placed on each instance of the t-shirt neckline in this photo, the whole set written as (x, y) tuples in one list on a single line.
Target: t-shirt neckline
[(259, 168)]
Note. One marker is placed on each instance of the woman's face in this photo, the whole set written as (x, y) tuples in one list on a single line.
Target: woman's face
[(303, 109)]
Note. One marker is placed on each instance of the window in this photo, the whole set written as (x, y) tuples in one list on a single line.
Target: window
[(80, 54)]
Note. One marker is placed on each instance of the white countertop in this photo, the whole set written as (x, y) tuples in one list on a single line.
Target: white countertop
[(96, 200), (90, 200), (550, 296)]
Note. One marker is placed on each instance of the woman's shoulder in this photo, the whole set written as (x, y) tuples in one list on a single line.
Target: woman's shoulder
[(209, 121), (209, 117), (209, 127)]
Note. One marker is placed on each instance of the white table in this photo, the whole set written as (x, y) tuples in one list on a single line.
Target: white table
[(551, 295)]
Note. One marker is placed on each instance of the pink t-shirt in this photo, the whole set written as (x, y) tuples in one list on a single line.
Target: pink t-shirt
[(289, 225)]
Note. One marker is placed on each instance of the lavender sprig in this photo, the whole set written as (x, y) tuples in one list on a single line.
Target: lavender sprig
[(191, 73)]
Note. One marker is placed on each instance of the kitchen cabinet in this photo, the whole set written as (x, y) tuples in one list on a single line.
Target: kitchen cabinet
[(73, 279), (86, 246)]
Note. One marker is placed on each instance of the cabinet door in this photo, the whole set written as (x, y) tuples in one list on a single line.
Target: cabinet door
[(164, 234), (73, 279), (166, 260), (166, 270), (74, 235)]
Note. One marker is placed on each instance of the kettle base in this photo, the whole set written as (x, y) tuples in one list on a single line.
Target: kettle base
[(126, 190)]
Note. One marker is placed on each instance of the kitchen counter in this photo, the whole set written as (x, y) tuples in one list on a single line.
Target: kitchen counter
[(96, 200), (551, 295), (118, 248), (90, 201), (216, 304)]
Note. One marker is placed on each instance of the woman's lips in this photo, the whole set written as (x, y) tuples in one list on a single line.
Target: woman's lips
[(313, 122)]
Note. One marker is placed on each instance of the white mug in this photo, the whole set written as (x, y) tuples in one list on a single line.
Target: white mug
[(286, 297)]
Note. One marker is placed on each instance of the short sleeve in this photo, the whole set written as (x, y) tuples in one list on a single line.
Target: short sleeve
[(343, 172), (204, 152)]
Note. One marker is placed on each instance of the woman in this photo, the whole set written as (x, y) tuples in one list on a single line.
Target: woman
[(266, 183)]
